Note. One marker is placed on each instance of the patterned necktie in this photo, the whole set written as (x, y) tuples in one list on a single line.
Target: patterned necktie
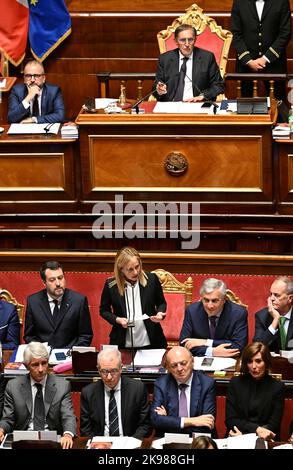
[(283, 334), (55, 311), (113, 415), (39, 409), (35, 110), (183, 412), (180, 87), (213, 325)]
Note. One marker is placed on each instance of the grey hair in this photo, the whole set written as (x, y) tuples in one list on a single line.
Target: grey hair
[(210, 284), (108, 353), (35, 350), (289, 283)]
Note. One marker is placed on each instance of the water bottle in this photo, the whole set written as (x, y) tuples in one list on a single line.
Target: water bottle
[(290, 118)]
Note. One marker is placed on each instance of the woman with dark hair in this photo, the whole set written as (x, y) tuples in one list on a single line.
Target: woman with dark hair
[(133, 302), (203, 442), (255, 400)]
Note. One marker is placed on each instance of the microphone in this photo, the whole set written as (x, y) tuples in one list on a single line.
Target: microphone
[(212, 103), (137, 103), (153, 90), (48, 127)]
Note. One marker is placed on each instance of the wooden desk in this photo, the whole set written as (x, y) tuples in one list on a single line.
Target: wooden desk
[(229, 159), (38, 173)]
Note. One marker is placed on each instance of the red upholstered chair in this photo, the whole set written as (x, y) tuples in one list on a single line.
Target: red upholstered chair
[(178, 295), (233, 297), (210, 35), (5, 295)]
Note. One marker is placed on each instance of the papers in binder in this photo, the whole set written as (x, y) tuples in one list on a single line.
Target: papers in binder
[(47, 128), (148, 357)]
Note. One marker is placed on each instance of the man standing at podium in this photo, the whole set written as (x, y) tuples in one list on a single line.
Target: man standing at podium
[(35, 101), (188, 73)]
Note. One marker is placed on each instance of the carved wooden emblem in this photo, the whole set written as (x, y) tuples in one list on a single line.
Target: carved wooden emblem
[(176, 163)]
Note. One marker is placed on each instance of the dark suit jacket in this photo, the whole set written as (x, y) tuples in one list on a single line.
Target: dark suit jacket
[(206, 77), (231, 328), (272, 33), (152, 301), (2, 388), (9, 325), (52, 106), (134, 409), (57, 400), (262, 321), (242, 391), (73, 326), (202, 401)]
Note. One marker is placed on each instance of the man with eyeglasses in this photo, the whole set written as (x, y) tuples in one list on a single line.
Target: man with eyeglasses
[(35, 101), (115, 405), (188, 73), (274, 323), (184, 399)]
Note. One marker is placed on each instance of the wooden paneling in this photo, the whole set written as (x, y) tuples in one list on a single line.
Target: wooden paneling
[(37, 172), (145, 5), (210, 263), (284, 168), (140, 163), (230, 159)]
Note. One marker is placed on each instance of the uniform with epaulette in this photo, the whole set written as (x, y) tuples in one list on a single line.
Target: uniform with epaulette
[(268, 36)]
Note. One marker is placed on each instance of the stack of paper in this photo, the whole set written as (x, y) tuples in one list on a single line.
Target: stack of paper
[(281, 132), (69, 132), (15, 368), (148, 357)]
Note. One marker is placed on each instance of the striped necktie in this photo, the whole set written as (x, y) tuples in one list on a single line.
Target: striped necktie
[(113, 415)]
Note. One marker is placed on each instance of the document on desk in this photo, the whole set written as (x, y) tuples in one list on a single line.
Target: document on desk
[(213, 363), (245, 441), (113, 442), (179, 107), (148, 357), (46, 128)]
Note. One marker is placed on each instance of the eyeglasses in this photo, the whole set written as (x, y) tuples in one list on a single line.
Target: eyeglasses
[(31, 75), (183, 40), (105, 372)]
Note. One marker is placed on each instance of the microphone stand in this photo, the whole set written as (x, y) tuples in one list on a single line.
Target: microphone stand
[(137, 103), (131, 323)]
